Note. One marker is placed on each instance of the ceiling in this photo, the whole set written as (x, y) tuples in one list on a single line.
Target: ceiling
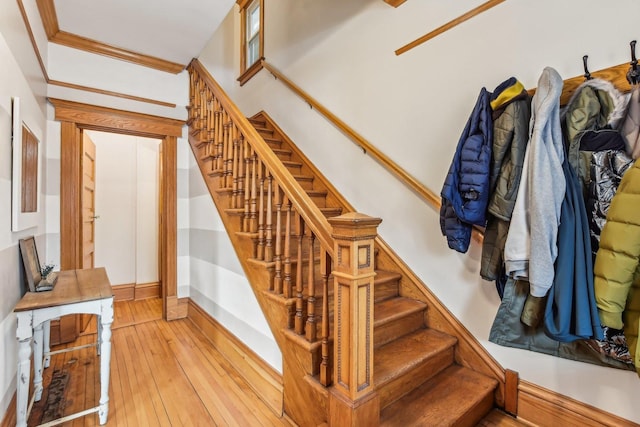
[(171, 30), (121, 54)]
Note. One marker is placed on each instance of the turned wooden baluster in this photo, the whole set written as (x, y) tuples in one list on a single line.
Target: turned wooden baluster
[(261, 212), (268, 228), (211, 136), (247, 186), (196, 107), (277, 258), (310, 328), (236, 168), (202, 112), (228, 169), (192, 96), (287, 286), (218, 138), (253, 214), (325, 367), (299, 319)]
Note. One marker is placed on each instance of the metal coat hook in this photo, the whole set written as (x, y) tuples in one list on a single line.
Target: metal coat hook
[(587, 74), (633, 75)]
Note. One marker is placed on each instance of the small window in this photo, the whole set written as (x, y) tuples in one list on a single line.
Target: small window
[(252, 17)]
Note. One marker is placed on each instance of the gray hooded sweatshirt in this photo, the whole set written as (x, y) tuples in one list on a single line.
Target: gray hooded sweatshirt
[(531, 249)]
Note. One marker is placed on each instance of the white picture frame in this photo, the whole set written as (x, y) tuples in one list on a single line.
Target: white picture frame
[(22, 219)]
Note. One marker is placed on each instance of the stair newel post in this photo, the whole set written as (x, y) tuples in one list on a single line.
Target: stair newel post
[(299, 319), (353, 399), (261, 211), (234, 167), (268, 242), (277, 258), (247, 186), (286, 285), (310, 328), (325, 269)]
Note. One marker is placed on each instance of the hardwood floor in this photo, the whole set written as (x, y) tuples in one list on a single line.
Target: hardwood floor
[(162, 374)]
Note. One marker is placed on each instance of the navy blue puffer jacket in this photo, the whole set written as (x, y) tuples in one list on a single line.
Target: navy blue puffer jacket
[(465, 193)]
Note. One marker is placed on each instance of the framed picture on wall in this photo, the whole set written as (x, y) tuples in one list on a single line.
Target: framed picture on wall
[(26, 172)]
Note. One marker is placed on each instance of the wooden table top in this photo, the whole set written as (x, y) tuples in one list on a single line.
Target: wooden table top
[(73, 286)]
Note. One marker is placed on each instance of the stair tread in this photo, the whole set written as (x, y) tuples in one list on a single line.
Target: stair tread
[(401, 355), (392, 309), (383, 276), (444, 400)]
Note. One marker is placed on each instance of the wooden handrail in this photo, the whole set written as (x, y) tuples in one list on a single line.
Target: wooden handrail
[(460, 19), (307, 208), (385, 161)]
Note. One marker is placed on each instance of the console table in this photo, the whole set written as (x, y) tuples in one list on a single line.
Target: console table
[(77, 291)]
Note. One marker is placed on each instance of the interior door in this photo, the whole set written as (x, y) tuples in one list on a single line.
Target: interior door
[(88, 203), (88, 200)]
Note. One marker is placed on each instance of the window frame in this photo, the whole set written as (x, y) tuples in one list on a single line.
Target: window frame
[(248, 71)]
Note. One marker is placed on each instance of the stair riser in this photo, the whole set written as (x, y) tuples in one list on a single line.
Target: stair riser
[(475, 414), (397, 328), (387, 290), (402, 385)]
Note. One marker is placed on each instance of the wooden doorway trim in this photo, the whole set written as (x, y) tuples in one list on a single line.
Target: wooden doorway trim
[(74, 118)]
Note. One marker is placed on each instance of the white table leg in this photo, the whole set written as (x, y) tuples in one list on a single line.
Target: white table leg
[(38, 337), (106, 318), (99, 326), (47, 342), (24, 373)]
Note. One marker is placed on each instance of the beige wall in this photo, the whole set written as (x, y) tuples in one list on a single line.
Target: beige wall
[(413, 108)]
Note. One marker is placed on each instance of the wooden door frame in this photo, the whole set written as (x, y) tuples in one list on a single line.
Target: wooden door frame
[(76, 117)]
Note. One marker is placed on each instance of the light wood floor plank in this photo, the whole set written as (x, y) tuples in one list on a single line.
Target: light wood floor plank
[(162, 374)]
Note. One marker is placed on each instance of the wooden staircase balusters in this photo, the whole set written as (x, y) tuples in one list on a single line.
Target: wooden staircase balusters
[(299, 319), (310, 327), (287, 287), (261, 212), (246, 216), (235, 170), (325, 366), (277, 258), (228, 159), (268, 228), (253, 215)]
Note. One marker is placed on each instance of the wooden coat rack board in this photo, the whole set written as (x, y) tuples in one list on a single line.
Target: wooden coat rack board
[(616, 75)]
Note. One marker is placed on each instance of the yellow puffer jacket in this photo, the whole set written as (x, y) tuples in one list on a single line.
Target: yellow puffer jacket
[(617, 268)]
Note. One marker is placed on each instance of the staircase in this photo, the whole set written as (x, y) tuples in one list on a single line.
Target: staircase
[(276, 207)]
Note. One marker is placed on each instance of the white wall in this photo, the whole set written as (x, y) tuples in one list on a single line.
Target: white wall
[(126, 199), (413, 108), (14, 82), (217, 281)]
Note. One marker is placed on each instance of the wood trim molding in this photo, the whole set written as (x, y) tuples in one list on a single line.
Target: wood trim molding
[(148, 290), (27, 24), (119, 121), (539, 406), (110, 93), (265, 381), (76, 117), (124, 292), (446, 27), (49, 18)]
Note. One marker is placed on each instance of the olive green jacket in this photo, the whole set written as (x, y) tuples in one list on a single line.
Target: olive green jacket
[(617, 267)]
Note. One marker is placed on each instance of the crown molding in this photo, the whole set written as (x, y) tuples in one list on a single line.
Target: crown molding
[(49, 18)]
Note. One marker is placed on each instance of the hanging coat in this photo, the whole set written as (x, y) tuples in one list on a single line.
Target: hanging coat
[(571, 312), (465, 192)]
